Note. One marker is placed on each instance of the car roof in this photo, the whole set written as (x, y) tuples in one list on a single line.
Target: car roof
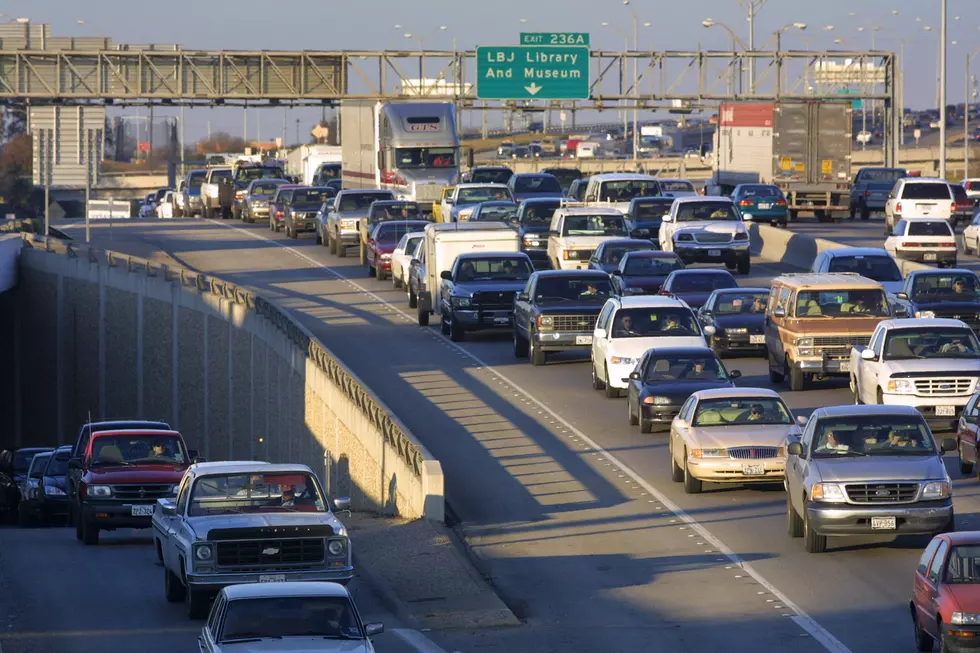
[(411, 223), (394, 202), (246, 466), (64, 447), (701, 351), (963, 537), (649, 198), (623, 176), (542, 200), (866, 409), (483, 255), (497, 203), (856, 251), (692, 271), (118, 422), (289, 588), (649, 253), (686, 181), (577, 274), (135, 431), (35, 449), (720, 393), (480, 185), (915, 323), (651, 301), (590, 210), (490, 168), (740, 289), (704, 198), (916, 180), (533, 174), (952, 272), (625, 241)]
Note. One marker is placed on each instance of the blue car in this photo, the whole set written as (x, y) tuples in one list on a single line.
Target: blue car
[(609, 253), (534, 184), (646, 214), (761, 203)]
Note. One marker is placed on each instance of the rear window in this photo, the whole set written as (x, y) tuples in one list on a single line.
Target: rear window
[(491, 176), (221, 174), (676, 186), (761, 191), (929, 228), (642, 266), (926, 191), (884, 174), (361, 201), (701, 282), (540, 212), (651, 209), (541, 184), (40, 462), (196, 179), (878, 268), (973, 185), (315, 196)]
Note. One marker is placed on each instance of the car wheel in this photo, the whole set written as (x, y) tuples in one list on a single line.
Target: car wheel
[(814, 543), (793, 519), (865, 213), (691, 485), (341, 248), (396, 281), (797, 380), (535, 353), (423, 318), (854, 391), (744, 265), (198, 604), (923, 640), (520, 344), (611, 392), (319, 240), (633, 420), (331, 244), (774, 376), (173, 589), (456, 333), (950, 526), (372, 271), (78, 525), (646, 425), (597, 384), (90, 533), (443, 325), (676, 473), (380, 274), (413, 299), (966, 467)]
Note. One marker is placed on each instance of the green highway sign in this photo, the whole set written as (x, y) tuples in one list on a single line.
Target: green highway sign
[(554, 38), (548, 72)]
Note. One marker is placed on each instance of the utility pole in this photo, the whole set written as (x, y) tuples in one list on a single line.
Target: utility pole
[(753, 6), (966, 115), (942, 92), (636, 94)]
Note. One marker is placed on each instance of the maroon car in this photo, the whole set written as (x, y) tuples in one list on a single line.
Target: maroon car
[(383, 241)]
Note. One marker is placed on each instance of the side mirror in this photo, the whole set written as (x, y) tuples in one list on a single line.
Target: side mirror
[(449, 201), (372, 630), (709, 330), (794, 449), (198, 459), (668, 218), (599, 333), (901, 310), (414, 261), (167, 507), (902, 295), (75, 463), (341, 504), (779, 312), (706, 312), (868, 355), (522, 296), (634, 376), (552, 232), (949, 444), (447, 275), (801, 420), (734, 374), (193, 453), (617, 272)]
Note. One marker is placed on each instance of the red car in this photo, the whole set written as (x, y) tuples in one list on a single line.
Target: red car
[(945, 603), (383, 241)]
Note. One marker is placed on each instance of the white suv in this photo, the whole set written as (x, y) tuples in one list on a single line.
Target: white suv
[(918, 197), (706, 230), (629, 326), (576, 233)]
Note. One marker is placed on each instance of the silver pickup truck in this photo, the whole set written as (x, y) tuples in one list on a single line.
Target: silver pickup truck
[(867, 470), (247, 522)]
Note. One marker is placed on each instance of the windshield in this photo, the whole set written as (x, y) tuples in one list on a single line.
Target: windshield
[(613, 254), (330, 617), (885, 174), (38, 464), (565, 176), (222, 174), (196, 180), (589, 289), (653, 322), (130, 449), (536, 184), (58, 465), (265, 189), (22, 461), (651, 209), (700, 282), (497, 213), (625, 190), (482, 194), (651, 266), (701, 211), (594, 225), (929, 228), (735, 303), (396, 211), (328, 171), (742, 411), (235, 493), (313, 196), (879, 268), (676, 186), (958, 287), (841, 303), (491, 176), (360, 201), (392, 232), (540, 212), (761, 191), (926, 191), (906, 344), (250, 173), (963, 565), (872, 435), (698, 367), (493, 269), (425, 157)]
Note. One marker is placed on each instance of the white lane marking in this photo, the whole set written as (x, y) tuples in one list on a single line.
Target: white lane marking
[(417, 640), (801, 618)]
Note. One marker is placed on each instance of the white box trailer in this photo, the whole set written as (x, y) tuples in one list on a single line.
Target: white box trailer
[(444, 241), (304, 160)]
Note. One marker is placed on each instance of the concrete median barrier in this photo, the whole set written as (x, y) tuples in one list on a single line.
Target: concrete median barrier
[(102, 334)]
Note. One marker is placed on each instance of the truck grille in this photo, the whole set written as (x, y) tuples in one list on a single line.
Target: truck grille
[(576, 323), (712, 237), (971, 319), (752, 453), (493, 300), (270, 553), (943, 386), (141, 492), (882, 492), (838, 347)]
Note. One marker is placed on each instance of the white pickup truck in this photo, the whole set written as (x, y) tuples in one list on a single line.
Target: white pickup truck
[(211, 192), (932, 365)]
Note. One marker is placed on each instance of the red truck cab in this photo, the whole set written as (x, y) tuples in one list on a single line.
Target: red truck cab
[(122, 474)]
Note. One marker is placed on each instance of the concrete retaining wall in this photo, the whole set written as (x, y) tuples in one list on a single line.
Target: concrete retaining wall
[(104, 334)]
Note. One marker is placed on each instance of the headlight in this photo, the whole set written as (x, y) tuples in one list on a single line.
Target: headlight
[(925, 314), (964, 619), (386, 257), (684, 238), (99, 491), (239, 194), (546, 321), (336, 547), (737, 330), (935, 490), (709, 453), (461, 302), (804, 342), (32, 482), (203, 552), (741, 236), (533, 242), (901, 386), (52, 491), (616, 360), (828, 492), (464, 215), (657, 401)]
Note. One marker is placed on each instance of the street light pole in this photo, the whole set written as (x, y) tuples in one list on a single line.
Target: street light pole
[(942, 91), (636, 83), (966, 116)]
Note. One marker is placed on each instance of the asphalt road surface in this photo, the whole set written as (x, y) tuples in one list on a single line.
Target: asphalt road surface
[(572, 511)]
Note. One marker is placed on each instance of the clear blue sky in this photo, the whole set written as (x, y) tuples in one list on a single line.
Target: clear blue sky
[(369, 24)]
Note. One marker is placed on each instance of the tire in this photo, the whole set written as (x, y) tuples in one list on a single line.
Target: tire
[(633, 419), (198, 604), (380, 274), (744, 265), (208, 213), (794, 523), (341, 248), (865, 213), (423, 318), (444, 326), (774, 377), (520, 344), (331, 244), (173, 589), (535, 354), (797, 380), (413, 299), (319, 241), (597, 383), (396, 281), (362, 252), (456, 333), (691, 484), (813, 542), (372, 271), (965, 466), (611, 392), (272, 224), (90, 533), (950, 526), (676, 473), (923, 641)]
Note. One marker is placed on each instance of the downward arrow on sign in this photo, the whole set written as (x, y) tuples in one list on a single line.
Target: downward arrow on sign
[(533, 88)]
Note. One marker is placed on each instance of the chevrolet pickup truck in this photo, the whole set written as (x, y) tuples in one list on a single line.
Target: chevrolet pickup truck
[(340, 229), (871, 189), (930, 364), (952, 294), (247, 522), (218, 192), (478, 292)]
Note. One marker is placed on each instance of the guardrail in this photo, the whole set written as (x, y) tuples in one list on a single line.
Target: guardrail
[(109, 209)]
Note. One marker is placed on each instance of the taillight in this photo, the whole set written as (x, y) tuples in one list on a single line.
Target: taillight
[(898, 207), (780, 202), (947, 244), (867, 193), (745, 203), (279, 214)]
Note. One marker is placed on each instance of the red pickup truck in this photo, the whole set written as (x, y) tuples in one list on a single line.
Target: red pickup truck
[(122, 473)]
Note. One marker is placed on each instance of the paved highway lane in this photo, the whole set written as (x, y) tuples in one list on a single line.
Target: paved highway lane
[(572, 511), (57, 595)]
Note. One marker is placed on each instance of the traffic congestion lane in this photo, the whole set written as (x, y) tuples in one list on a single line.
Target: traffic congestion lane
[(57, 595), (859, 590)]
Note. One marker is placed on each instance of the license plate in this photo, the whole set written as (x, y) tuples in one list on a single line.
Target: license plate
[(757, 340), (929, 256), (714, 252), (583, 340), (142, 511), (753, 470), (845, 366), (883, 523), (501, 320), (765, 206), (945, 411), (272, 578)]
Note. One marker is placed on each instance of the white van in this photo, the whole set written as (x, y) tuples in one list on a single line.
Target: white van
[(617, 189), (444, 241)]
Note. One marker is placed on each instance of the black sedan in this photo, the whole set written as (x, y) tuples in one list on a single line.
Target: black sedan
[(695, 286), (644, 272), (738, 316), (664, 379), (609, 253)]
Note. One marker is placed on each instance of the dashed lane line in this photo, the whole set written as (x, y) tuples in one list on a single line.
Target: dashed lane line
[(801, 618), (417, 640)]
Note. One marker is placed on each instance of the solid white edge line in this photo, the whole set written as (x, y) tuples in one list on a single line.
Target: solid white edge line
[(802, 619), (417, 640)]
